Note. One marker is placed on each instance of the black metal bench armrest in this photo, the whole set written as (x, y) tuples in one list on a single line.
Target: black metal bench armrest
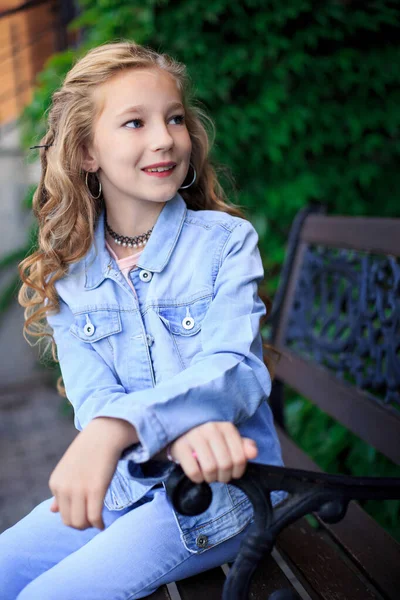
[(308, 491)]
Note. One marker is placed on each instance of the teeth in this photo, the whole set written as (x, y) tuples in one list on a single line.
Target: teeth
[(160, 169)]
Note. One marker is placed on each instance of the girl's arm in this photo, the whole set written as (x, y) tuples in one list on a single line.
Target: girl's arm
[(226, 381), (213, 451)]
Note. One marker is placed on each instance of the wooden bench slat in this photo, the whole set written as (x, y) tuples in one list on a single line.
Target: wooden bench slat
[(208, 584), (343, 403), (160, 594), (319, 565), (380, 236), (268, 578), (363, 539)]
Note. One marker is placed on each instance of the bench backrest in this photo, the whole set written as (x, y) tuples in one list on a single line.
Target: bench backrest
[(337, 322)]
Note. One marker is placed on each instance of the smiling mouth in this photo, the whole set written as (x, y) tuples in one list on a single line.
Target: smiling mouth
[(160, 171)]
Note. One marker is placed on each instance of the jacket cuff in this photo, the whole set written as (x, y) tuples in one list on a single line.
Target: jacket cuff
[(151, 472), (152, 435)]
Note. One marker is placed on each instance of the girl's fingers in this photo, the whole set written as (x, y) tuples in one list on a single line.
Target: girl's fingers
[(224, 455), (63, 502), (221, 454), (95, 510), (236, 447), (78, 512), (203, 467), (189, 464), (206, 460), (250, 448), (231, 453)]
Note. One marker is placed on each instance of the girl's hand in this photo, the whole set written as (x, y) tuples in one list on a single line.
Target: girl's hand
[(222, 453), (81, 478)]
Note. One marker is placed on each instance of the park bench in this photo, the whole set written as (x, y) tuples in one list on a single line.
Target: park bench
[(336, 323)]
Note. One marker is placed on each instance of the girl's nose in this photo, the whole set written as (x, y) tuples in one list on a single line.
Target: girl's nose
[(161, 138)]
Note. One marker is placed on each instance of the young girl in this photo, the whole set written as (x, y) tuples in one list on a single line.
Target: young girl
[(148, 279)]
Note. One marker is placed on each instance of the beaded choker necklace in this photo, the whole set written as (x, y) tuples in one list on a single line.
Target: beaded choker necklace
[(129, 242)]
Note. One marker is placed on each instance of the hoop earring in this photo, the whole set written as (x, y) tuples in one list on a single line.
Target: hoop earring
[(184, 187), (99, 182)]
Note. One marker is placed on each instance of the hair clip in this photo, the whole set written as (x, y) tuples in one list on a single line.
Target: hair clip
[(43, 146)]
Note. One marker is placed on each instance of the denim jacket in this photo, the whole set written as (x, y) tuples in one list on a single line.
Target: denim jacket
[(185, 348)]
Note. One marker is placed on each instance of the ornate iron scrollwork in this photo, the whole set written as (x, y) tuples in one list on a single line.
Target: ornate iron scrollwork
[(346, 316)]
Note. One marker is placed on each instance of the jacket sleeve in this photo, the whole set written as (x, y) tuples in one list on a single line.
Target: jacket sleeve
[(226, 381)]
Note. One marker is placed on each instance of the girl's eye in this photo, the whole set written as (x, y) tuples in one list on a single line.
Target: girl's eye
[(133, 121), (181, 119)]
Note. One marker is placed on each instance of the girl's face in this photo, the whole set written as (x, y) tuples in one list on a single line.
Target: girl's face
[(141, 122)]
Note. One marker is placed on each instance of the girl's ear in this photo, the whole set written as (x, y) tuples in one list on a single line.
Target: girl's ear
[(89, 162)]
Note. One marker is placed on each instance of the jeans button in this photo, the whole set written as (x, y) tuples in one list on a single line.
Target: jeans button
[(201, 541)]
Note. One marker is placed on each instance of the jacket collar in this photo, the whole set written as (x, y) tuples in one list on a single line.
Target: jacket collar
[(155, 255)]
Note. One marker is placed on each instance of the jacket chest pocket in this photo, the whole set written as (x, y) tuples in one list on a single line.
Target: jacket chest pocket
[(98, 327), (184, 321)]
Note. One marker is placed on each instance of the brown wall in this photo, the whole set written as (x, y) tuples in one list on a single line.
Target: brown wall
[(27, 39)]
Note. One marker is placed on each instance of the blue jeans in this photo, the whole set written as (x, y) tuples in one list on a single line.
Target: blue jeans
[(138, 551)]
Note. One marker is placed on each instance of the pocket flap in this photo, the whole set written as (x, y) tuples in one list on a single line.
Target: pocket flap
[(185, 319), (94, 325)]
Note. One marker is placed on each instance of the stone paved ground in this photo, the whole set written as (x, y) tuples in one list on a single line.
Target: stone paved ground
[(34, 433)]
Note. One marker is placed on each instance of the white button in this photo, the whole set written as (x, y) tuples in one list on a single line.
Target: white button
[(150, 339), (89, 329), (145, 275), (188, 323)]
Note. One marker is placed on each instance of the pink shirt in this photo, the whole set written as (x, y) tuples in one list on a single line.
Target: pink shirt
[(125, 264)]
